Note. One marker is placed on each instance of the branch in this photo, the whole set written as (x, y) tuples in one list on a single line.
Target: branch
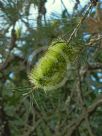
[(92, 41), (65, 8), (81, 100), (95, 66), (90, 110), (6, 64)]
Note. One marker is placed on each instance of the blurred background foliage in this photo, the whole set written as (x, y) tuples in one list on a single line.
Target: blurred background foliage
[(54, 112)]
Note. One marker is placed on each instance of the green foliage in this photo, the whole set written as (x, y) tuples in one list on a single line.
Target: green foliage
[(25, 111)]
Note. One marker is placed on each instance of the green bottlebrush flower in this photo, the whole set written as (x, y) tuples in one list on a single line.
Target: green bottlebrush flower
[(52, 69)]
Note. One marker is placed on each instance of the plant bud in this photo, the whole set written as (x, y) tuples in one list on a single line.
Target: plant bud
[(52, 70)]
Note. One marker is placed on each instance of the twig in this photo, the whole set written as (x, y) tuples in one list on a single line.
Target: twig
[(92, 41), (76, 122), (94, 66), (82, 103), (79, 24), (65, 7), (9, 60)]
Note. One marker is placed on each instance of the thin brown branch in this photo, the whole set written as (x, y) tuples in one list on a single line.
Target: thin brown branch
[(81, 100), (6, 64), (94, 66), (90, 110), (79, 24), (92, 41)]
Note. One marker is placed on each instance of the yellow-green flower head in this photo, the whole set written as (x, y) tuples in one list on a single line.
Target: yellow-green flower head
[(51, 71)]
